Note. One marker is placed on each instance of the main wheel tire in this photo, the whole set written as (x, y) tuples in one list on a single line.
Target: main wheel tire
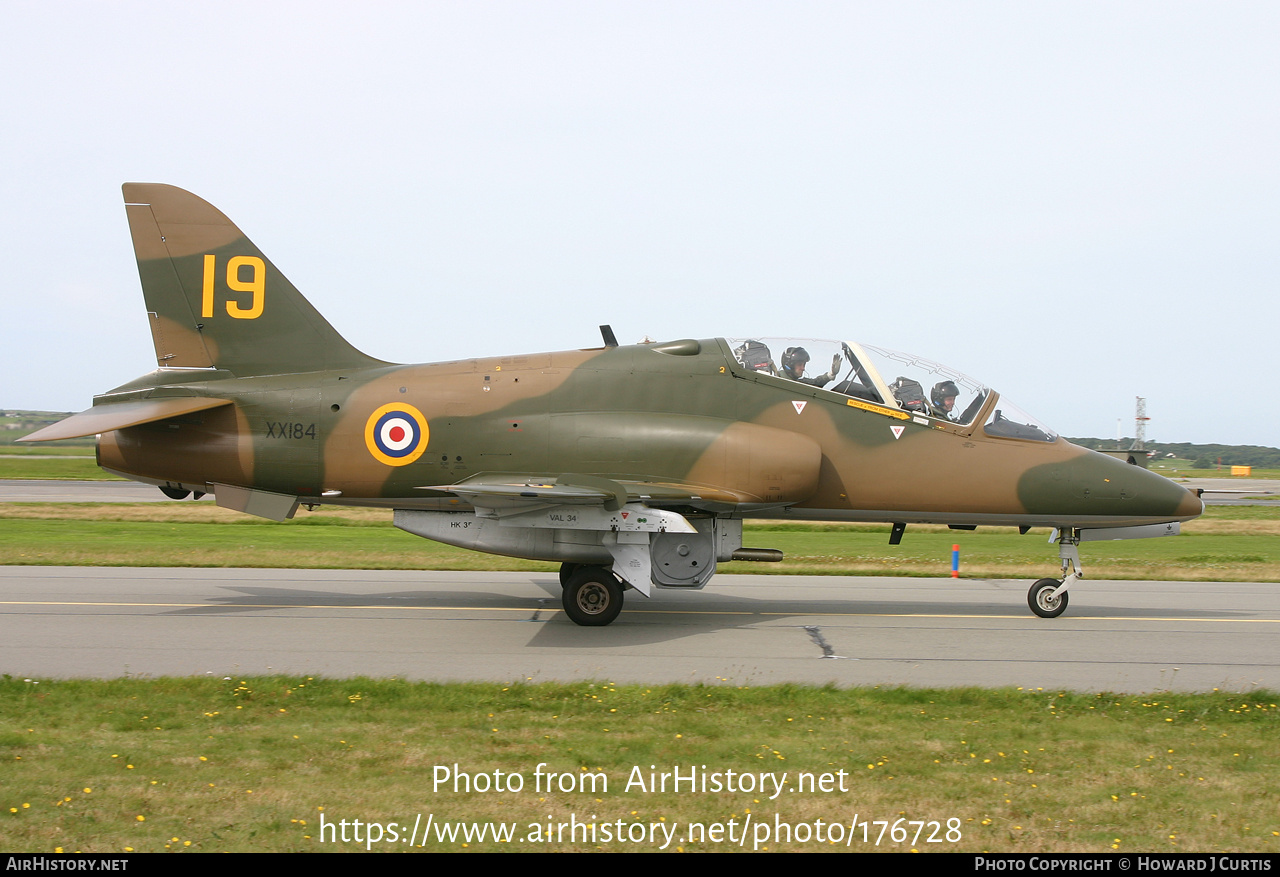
[(566, 572), (1041, 601), (593, 597)]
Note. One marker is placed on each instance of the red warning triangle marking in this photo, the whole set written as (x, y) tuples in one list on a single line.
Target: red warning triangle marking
[(897, 431), (799, 406)]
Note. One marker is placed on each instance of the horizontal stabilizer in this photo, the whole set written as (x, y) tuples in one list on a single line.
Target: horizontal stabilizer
[(118, 415)]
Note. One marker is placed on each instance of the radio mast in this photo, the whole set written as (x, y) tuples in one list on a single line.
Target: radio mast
[(1140, 426)]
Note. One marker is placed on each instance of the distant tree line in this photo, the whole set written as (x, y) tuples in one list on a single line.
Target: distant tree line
[(1204, 456)]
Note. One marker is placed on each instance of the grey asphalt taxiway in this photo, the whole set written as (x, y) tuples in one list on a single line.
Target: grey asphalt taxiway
[(36, 490), (1116, 636), (741, 630)]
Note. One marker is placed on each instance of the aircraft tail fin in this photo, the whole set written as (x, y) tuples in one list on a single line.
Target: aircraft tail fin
[(214, 300)]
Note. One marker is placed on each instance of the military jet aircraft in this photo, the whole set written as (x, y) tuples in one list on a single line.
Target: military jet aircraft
[(633, 466)]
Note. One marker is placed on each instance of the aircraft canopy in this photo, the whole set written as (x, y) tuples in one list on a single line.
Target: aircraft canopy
[(904, 381)]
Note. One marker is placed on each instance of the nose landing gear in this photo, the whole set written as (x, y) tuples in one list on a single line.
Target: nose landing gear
[(1048, 597)]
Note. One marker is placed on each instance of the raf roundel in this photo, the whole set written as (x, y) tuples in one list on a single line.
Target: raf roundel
[(396, 434)]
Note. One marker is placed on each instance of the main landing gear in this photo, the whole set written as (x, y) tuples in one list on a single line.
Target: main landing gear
[(592, 594), (1048, 597)]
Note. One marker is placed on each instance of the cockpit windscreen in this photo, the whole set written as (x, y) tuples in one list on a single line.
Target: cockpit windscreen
[(886, 377)]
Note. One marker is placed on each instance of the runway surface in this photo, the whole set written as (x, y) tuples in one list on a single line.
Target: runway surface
[(741, 630), (1236, 491), (33, 490)]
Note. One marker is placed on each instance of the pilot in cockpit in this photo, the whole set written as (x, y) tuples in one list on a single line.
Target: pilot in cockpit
[(794, 360), (943, 396)]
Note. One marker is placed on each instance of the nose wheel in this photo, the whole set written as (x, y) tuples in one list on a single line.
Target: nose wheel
[(1044, 602)]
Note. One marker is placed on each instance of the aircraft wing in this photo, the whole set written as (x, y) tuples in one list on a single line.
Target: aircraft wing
[(618, 513), (660, 493), (523, 495), (118, 415), (514, 496)]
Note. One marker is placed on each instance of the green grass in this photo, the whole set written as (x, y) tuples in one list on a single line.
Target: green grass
[(65, 467), (251, 763), (1230, 543), (203, 535), (15, 425), (61, 449), (1182, 469)]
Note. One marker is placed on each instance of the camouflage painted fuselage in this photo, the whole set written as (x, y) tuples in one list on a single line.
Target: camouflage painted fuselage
[(682, 414)]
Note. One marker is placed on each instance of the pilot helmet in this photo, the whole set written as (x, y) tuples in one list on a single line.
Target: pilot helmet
[(794, 356), (942, 390)]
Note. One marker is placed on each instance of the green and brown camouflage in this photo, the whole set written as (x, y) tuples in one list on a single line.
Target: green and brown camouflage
[(632, 465)]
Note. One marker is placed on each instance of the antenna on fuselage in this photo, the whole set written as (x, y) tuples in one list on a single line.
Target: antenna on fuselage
[(606, 332)]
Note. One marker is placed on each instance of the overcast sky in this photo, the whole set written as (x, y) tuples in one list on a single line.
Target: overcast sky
[(1077, 203)]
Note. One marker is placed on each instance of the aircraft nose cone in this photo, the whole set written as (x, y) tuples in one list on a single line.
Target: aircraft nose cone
[(1191, 506), (1154, 494), (1096, 490)]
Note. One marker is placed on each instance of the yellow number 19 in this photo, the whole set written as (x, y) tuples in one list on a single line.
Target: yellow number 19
[(256, 284)]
